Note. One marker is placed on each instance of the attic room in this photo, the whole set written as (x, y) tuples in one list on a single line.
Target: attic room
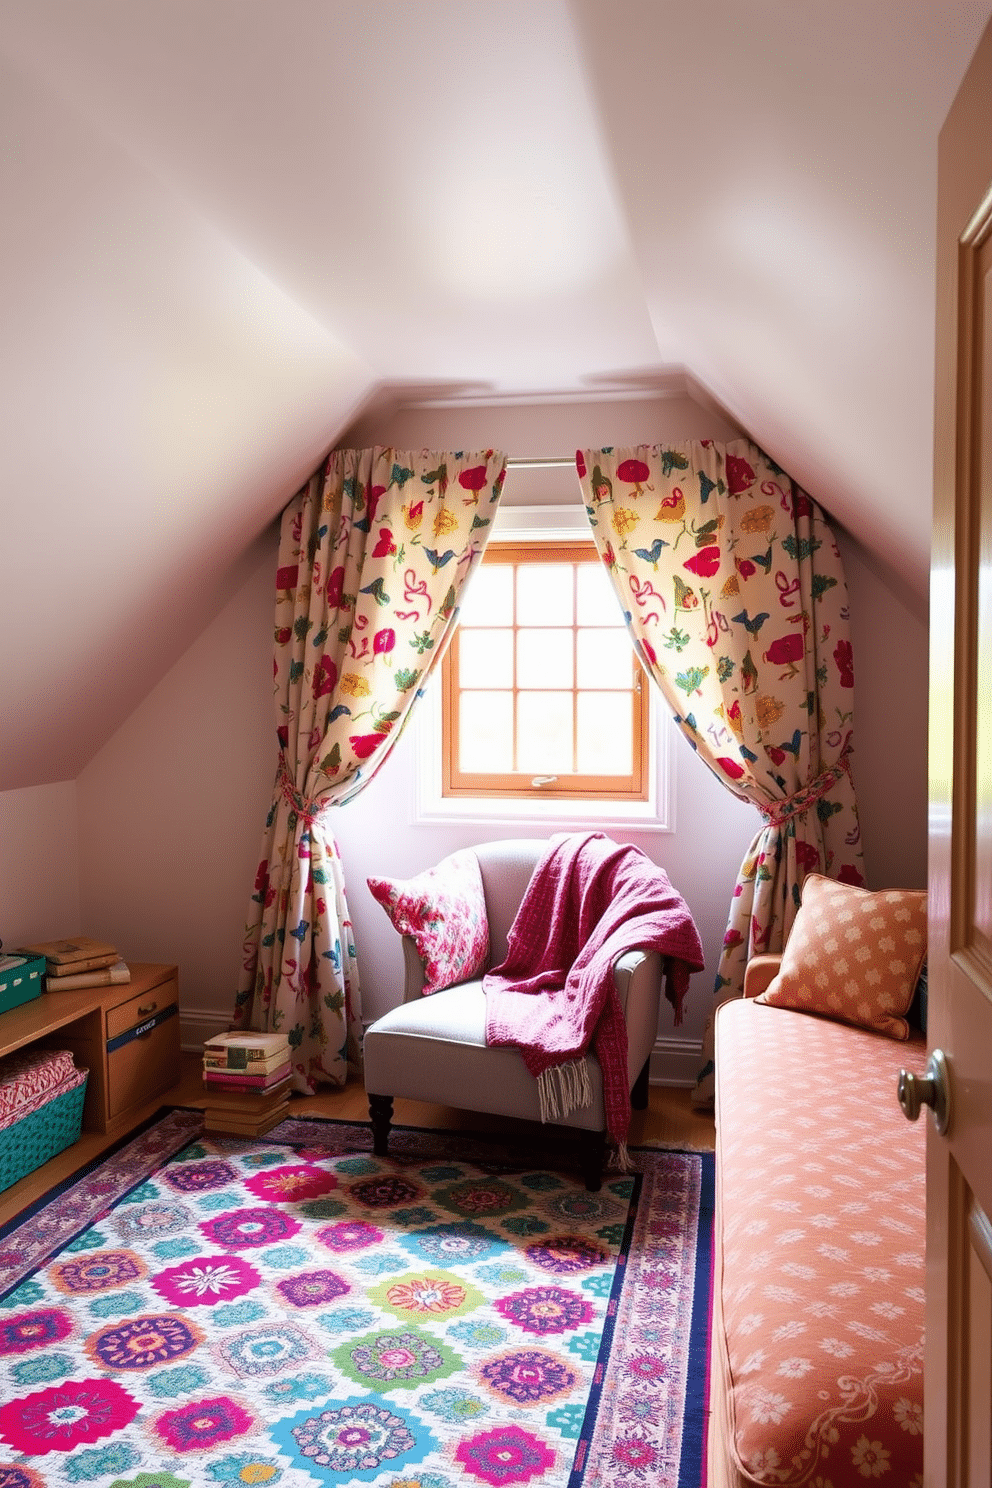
[(239, 236)]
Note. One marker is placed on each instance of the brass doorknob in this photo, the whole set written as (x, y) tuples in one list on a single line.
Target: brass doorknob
[(932, 1089)]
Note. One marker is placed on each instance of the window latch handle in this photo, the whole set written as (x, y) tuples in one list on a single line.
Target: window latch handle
[(540, 780)]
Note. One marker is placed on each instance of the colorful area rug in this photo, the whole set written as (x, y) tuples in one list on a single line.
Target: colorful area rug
[(204, 1312)]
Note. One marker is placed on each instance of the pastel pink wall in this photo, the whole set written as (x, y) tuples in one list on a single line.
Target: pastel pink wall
[(39, 863)]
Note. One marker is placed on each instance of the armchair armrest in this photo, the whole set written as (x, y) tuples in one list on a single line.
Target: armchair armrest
[(638, 976), (413, 970), (760, 972)]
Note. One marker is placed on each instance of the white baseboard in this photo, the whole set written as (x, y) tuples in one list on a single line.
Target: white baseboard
[(196, 1025), (676, 1061)]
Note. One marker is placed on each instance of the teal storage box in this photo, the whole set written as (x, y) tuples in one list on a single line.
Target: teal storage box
[(20, 983), (41, 1109)]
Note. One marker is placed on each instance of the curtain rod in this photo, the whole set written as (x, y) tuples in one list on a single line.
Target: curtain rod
[(551, 462)]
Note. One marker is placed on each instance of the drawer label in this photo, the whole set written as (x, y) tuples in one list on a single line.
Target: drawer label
[(140, 1029)]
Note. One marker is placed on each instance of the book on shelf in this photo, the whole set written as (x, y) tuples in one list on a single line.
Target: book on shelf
[(243, 1049), (70, 951), (76, 968), (106, 976), (221, 1063), (237, 1080)]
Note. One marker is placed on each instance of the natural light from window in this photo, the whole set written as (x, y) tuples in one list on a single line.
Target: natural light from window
[(542, 709)]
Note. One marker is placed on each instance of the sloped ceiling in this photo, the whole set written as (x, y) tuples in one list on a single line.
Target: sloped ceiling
[(228, 225)]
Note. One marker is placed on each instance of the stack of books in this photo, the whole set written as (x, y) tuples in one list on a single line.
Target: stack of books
[(79, 962), (247, 1079)]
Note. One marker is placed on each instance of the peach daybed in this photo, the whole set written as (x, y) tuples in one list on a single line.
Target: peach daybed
[(818, 1310)]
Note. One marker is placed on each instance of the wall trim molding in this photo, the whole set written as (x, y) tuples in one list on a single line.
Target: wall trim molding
[(196, 1025), (676, 1061)]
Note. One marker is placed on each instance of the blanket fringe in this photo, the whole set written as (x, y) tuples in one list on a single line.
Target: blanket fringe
[(620, 1158), (563, 1088)]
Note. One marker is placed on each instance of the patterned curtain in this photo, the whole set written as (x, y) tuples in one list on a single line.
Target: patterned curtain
[(734, 594), (373, 554)]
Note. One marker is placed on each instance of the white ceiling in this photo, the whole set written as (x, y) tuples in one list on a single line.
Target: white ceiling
[(226, 225)]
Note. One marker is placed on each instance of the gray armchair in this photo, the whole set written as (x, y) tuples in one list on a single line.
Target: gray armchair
[(434, 1048)]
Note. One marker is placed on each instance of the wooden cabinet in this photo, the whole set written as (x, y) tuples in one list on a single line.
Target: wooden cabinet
[(126, 1036)]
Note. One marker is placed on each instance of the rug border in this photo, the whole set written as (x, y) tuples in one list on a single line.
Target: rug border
[(34, 1205)]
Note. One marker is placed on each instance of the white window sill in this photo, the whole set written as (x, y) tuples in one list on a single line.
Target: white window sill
[(653, 815)]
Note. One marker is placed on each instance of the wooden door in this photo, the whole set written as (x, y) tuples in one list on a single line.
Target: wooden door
[(958, 1441)]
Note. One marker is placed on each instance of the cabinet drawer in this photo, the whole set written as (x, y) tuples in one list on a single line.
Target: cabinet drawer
[(143, 1066), (141, 1008)]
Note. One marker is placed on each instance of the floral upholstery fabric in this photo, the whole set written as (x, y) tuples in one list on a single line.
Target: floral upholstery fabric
[(821, 1224), (443, 911)]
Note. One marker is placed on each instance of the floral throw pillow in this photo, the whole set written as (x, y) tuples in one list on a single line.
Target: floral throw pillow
[(854, 955), (443, 910)]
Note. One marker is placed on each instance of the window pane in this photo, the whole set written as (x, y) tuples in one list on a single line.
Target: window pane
[(485, 721), (544, 732), (488, 600), (485, 658), (604, 658), (544, 658), (596, 599), (605, 735), (544, 594)]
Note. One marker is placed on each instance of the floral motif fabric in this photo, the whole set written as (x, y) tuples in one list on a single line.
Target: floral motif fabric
[(733, 590), (443, 911), (820, 1268), (369, 1321), (373, 554)]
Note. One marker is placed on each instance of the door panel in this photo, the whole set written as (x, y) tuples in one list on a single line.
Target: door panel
[(959, 1164)]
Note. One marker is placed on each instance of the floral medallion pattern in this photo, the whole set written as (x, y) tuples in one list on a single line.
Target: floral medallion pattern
[(98, 1272), (205, 1280), (58, 1419), (396, 1359), (446, 1326), (143, 1342), (505, 1455), (527, 1376), (356, 1440), (246, 1229), (34, 1330), (203, 1425), (294, 1183), (200, 1177)]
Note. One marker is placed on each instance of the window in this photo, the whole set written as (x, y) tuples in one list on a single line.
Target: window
[(542, 695)]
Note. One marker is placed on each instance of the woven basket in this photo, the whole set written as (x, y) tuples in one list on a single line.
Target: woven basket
[(41, 1134)]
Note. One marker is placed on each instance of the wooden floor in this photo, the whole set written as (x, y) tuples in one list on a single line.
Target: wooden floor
[(669, 1121)]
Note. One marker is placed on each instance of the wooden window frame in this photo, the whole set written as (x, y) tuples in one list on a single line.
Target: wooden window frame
[(519, 785)]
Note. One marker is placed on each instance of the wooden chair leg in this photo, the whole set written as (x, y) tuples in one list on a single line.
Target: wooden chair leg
[(381, 1117), (639, 1092), (593, 1159)]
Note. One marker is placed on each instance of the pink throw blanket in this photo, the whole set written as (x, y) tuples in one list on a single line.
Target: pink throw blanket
[(589, 900)]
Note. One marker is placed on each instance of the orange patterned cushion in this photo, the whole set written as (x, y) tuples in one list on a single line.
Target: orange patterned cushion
[(854, 955)]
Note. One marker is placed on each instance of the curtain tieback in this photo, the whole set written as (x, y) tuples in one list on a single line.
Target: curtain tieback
[(308, 811), (779, 812)]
